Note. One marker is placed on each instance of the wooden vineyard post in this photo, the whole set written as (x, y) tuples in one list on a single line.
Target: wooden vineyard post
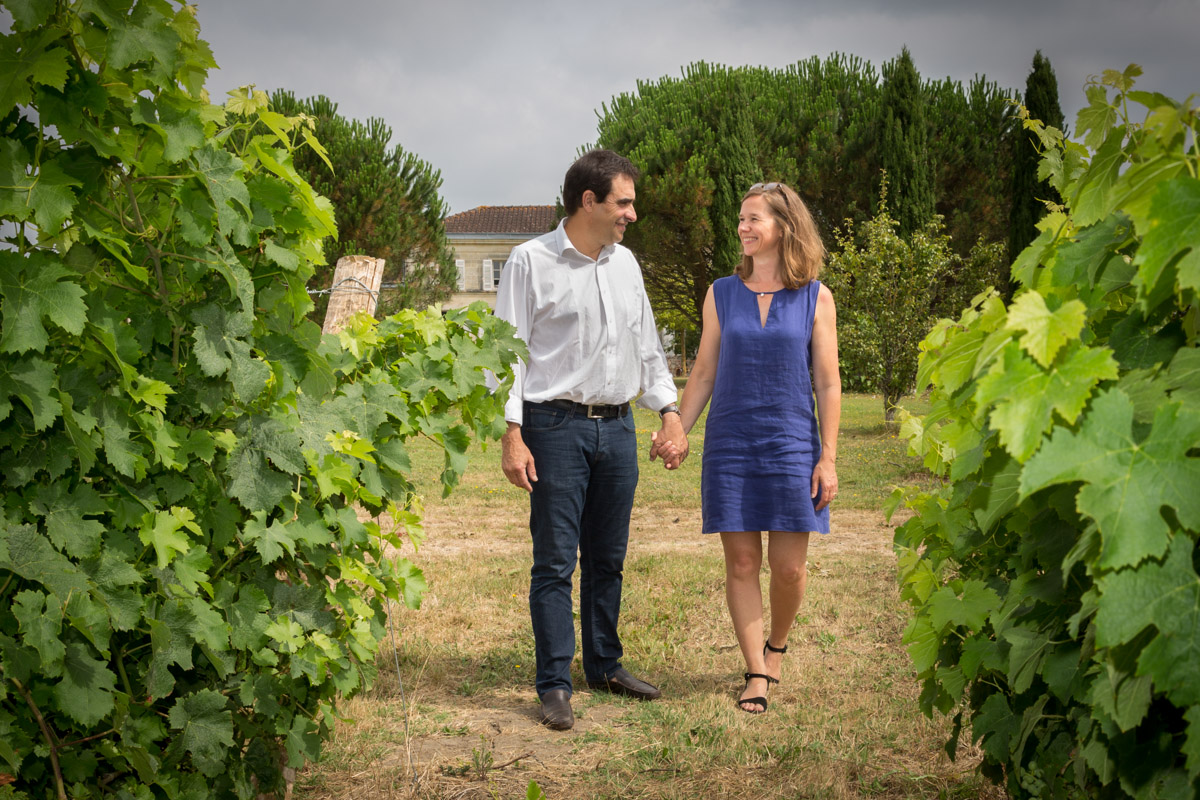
[(355, 288)]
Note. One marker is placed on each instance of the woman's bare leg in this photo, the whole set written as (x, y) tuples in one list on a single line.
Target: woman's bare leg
[(787, 555), (743, 593)]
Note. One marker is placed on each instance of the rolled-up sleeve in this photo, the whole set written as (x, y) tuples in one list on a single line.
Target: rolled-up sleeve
[(512, 305)]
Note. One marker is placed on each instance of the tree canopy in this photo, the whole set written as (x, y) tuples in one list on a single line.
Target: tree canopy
[(703, 138)]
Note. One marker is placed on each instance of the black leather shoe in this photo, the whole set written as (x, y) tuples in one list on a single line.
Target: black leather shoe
[(556, 710), (621, 682)]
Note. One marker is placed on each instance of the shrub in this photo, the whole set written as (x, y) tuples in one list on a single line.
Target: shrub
[(890, 290)]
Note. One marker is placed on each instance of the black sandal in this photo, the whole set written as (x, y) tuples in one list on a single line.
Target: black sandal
[(758, 701)]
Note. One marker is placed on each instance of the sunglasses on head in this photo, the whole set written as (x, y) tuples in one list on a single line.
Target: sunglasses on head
[(766, 187)]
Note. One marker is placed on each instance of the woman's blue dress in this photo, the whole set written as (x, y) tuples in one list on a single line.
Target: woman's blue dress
[(761, 439)]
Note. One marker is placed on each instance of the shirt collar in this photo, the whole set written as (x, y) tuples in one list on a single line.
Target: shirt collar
[(563, 242)]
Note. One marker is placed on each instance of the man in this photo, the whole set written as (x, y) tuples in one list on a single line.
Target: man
[(577, 299)]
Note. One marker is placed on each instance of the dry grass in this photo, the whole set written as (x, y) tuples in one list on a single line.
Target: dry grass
[(844, 723)]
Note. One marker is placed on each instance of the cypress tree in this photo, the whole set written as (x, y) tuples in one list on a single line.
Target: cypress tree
[(903, 145), (1028, 193)]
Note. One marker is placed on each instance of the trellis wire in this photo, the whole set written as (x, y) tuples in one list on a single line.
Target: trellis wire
[(362, 288)]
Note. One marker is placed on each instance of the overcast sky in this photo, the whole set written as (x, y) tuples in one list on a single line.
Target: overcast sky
[(500, 95)]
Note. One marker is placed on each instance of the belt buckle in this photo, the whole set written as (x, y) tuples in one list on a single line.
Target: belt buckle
[(592, 414)]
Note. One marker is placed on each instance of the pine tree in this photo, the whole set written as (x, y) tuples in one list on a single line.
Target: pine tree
[(735, 147), (695, 141), (386, 202), (903, 145), (701, 139), (1029, 194)]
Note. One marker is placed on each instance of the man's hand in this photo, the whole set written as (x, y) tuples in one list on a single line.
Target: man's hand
[(516, 460), (670, 442)]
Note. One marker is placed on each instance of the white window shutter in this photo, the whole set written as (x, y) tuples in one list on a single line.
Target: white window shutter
[(486, 283), (462, 273)]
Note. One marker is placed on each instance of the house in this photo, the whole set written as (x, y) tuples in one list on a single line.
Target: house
[(482, 238)]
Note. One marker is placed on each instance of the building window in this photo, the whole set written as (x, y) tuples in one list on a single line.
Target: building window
[(461, 266), (492, 267)]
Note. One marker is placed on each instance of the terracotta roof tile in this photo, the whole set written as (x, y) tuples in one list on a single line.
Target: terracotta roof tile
[(524, 220)]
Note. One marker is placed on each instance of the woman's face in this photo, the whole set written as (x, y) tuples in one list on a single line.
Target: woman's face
[(757, 227)]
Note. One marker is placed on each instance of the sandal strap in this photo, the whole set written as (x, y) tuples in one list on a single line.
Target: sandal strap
[(761, 702), (767, 644)]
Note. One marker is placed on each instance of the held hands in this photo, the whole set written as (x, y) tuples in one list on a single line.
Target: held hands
[(670, 442), (824, 482)]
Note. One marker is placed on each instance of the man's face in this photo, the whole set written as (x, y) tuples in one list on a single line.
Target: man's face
[(615, 213)]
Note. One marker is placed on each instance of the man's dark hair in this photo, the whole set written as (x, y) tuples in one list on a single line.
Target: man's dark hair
[(594, 170)]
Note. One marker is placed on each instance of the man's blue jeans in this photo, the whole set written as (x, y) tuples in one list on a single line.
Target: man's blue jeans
[(587, 472)]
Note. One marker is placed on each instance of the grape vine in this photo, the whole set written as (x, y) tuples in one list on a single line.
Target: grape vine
[(191, 585), (1053, 576)]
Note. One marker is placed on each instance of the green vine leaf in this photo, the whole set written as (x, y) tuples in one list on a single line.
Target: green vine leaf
[(167, 531), (1024, 398), (51, 197), (85, 692), (1167, 597), (1191, 748), (1046, 331), (146, 37), (270, 540), (28, 14), (1095, 190), (27, 553), (31, 381), (1096, 118), (968, 607), (412, 583), (170, 646), (1174, 230), (41, 625), (1127, 479), (24, 64), (65, 518), (205, 728), (34, 290)]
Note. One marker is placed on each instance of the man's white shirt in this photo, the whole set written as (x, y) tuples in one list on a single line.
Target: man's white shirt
[(587, 323)]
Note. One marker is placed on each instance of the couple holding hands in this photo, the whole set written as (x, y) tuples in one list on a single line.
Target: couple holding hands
[(768, 348)]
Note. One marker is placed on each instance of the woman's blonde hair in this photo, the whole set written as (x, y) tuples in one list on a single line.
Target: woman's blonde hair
[(800, 244)]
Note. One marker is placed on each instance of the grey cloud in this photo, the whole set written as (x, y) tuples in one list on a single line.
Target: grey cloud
[(500, 96)]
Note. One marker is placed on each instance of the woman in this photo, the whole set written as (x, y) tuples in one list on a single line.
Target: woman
[(768, 465)]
